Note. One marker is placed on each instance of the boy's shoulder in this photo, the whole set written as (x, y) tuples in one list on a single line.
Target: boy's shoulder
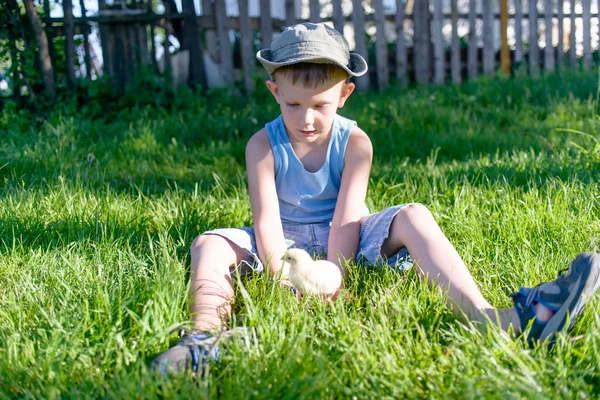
[(359, 144), (259, 138), (259, 144)]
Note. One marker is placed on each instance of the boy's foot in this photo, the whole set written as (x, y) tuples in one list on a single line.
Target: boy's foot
[(194, 350), (566, 296)]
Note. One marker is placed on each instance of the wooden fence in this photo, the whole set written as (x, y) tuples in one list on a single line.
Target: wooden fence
[(425, 53)]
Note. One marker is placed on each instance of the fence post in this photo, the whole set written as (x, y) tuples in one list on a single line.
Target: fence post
[(383, 73), (533, 39), (266, 28), (400, 44), (438, 44), (472, 50), (488, 38), (548, 26), (422, 42), (587, 45), (246, 46), (358, 20), (455, 61)]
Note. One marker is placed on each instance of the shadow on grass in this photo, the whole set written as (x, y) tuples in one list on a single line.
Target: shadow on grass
[(202, 143), (30, 234)]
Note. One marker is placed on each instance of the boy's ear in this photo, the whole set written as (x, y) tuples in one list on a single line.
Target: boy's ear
[(274, 89), (347, 90)]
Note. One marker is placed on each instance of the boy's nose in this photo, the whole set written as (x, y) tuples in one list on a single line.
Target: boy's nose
[(308, 117)]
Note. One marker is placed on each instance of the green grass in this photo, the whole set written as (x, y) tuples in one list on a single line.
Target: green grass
[(98, 209)]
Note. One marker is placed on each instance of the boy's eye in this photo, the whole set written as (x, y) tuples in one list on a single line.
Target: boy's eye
[(292, 104)]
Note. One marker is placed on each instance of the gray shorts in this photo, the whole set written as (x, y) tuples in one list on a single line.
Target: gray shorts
[(374, 229)]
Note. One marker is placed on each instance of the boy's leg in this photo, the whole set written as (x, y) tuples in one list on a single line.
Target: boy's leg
[(437, 260), (211, 295), (211, 286)]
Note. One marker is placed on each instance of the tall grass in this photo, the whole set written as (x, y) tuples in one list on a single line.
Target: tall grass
[(97, 212)]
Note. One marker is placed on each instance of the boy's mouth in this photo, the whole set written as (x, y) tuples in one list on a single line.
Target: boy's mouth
[(306, 132)]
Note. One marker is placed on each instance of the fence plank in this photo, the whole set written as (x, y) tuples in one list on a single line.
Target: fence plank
[(246, 46), (572, 38), (152, 41), (438, 44), (290, 13), (121, 53), (167, 56), (472, 50), (338, 16), (130, 49), (166, 45), (561, 32), (381, 51), (142, 31), (197, 75), (358, 20), (548, 27), (587, 43), (210, 35), (504, 50), (455, 61), (422, 42), (488, 38), (533, 39), (518, 31), (315, 11), (225, 48), (266, 28), (400, 45)]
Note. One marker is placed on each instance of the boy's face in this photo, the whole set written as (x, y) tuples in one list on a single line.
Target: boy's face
[(308, 112)]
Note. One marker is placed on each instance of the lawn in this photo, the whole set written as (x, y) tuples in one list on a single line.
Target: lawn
[(99, 203)]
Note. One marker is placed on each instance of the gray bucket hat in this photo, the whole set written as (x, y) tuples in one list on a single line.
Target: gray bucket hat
[(311, 43)]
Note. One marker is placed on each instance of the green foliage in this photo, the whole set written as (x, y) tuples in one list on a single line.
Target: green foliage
[(100, 200)]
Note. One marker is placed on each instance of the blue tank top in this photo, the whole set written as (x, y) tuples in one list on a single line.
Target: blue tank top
[(308, 197)]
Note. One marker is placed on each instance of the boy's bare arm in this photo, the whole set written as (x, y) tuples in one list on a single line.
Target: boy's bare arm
[(345, 227), (260, 166)]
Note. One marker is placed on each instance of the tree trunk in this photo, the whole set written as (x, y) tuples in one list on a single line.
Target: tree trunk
[(43, 52)]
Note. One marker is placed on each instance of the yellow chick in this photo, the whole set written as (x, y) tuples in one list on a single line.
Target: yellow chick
[(321, 277)]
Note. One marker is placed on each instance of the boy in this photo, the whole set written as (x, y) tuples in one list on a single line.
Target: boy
[(308, 172)]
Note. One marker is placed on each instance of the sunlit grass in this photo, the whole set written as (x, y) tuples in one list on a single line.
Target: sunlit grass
[(97, 214)]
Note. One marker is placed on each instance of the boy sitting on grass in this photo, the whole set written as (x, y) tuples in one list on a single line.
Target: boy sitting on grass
[(308, 172)]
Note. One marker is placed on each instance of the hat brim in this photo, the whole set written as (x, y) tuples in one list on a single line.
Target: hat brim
[(357, 66)]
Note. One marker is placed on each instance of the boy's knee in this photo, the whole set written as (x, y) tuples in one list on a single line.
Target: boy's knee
[(216, 247), (414, 213), (202, 241)]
